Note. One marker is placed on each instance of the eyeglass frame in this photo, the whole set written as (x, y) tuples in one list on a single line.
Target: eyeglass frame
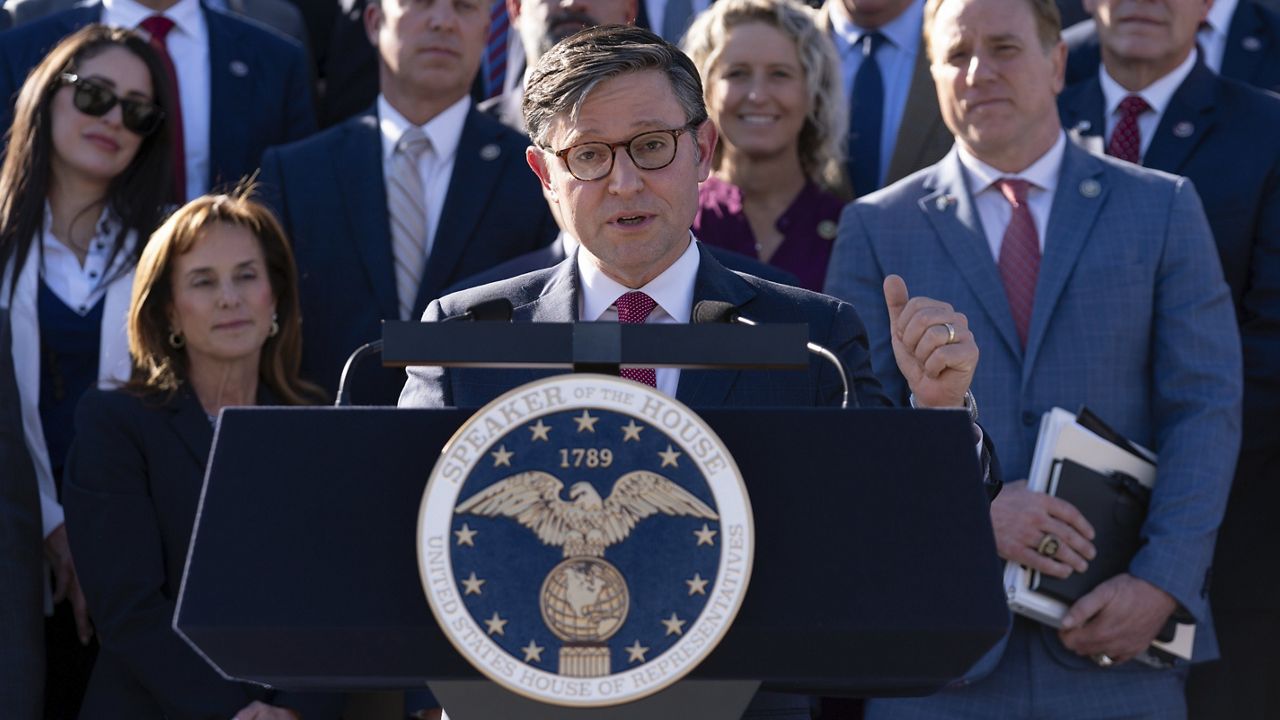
[(613, 149), (75, 81)]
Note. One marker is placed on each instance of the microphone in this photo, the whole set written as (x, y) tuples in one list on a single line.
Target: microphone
[(496, 310), (718, 311)]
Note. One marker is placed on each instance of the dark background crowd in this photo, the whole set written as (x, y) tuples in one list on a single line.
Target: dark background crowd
[(386, 143)]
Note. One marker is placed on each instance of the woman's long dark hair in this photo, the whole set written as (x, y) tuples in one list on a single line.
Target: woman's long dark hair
[(137, 196)]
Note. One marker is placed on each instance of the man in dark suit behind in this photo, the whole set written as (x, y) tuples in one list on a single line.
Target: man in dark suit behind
[(392, 206), (594, 104), (21, 547), (242, 87), (1221, 134), (1240, 40)]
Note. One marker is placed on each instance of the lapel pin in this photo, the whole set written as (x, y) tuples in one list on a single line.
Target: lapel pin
[(943, 202), (490, 152), (1251, 43), (1090, 188), (239, 69), (1183, 129), (827, 230), (1084, 126)]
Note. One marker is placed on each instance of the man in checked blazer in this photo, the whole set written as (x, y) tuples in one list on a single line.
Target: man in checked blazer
[(1086, 281)]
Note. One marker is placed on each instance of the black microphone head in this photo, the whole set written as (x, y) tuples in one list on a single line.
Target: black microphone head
[(495, 310), (713, 311)]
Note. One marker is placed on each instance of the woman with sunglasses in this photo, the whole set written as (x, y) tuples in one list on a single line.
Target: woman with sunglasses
[(83, 185)]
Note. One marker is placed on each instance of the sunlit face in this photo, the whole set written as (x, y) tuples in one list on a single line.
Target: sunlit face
[(757, 94), (543, 23), (1158, 32), (98, 149), (633, 223), (223, 302), (997, 85), (429, 47)]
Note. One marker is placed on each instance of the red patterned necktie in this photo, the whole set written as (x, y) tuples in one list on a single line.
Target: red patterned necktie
[(495, 52), (1126, 139), (1019, 255), (633, 308), (158, 27)]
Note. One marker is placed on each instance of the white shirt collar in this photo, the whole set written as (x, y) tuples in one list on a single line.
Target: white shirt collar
[(1157, 94), (672, 289), (903, 31), (1219, 17), (186, 15), (1043, 173), (444, 130)]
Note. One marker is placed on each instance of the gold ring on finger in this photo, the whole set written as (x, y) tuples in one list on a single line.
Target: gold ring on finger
[(1049, 545), (951, 332)]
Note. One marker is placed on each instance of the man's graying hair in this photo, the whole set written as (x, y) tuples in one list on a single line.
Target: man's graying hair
[(569, 71)]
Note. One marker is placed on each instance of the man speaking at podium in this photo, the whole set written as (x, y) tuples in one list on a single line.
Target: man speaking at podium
[(620, 142)]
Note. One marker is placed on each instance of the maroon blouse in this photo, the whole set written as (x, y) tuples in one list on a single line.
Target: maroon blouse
[(808, 228)]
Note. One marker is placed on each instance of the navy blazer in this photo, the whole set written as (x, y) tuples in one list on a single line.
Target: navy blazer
[(1222, 135), (260, 84), (1252, 54), (330, 195), (551, 295), (21, 553), (132, 485), (554, 254)]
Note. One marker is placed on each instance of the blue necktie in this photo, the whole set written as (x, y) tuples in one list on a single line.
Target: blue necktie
[(866, 115)]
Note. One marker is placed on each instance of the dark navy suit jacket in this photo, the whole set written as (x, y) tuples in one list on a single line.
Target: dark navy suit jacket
[(1222, 134), (1252, 54), (132, 486), (21, 553), (554, 254), (260, 84), (551, 295), (330, 194)]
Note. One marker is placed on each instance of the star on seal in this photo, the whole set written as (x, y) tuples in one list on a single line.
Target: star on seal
[(675, 626), (539, 431), (473, 583), (635, 652), (496, 624), (502, 456), (669, 457), (533, 652), (631, 431), (586, 422), (706, 536), (466, 536)]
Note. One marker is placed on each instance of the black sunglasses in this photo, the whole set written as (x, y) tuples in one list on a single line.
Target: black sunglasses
[(90, 98)]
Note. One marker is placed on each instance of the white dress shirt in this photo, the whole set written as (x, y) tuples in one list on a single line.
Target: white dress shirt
[(1157, 94), (896, 58), (994, 210), (672, 290), (435, 166), (79, 287), (1213, 37), (188, 45)]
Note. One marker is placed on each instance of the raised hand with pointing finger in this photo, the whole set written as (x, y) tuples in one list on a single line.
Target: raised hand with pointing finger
[(932, 345)]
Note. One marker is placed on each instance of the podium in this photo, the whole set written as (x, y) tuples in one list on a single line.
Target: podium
[(875, 571)]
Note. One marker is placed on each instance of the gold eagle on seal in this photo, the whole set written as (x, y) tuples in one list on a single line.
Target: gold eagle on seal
[(585, 524)]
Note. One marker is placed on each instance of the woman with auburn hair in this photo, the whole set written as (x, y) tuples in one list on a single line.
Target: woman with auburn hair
[(772, 84), (83, 184), (213, 322)]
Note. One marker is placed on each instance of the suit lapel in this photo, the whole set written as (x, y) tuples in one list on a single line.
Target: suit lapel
[(915, 136), (1246, 40), (357, 163), (230, 84), (1186, 122), (952, 213), (475, 173), (713, 282), (1083, 110), (191, 424), (559, 299), (1080, 195)]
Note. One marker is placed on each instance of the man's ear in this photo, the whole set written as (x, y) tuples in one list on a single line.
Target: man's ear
[(373, 21), (633, 11), (513, 12), (537, 160), (706, 137)]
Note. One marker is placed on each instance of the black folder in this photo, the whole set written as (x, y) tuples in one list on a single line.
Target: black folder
[(1116, 505)]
